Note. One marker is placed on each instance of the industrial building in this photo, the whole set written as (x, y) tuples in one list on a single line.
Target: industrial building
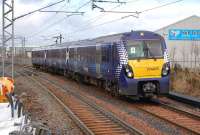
[(183, 41), (21, 51)]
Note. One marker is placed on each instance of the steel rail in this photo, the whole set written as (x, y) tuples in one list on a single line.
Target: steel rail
[(176, 109), (185, 99), (165, 106), (78, 122), (166, 119), (108, 114)]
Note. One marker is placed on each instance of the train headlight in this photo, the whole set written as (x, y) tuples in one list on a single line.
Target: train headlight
[(128, 71), (166, 69), (130, 74)]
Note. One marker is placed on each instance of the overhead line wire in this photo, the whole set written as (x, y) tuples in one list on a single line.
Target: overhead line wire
[(111, 21), (103, 14), (59, 21), (167, 4), (83, 5), (92, 20), (52, 16), (50, 5)]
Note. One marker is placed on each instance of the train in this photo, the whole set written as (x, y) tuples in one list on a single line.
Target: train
[(132, 64)]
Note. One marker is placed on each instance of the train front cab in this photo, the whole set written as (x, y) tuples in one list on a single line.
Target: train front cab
[(147, 71), (144, 86)]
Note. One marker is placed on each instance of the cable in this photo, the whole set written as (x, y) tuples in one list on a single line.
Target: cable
[(167, 4), (53, 16), (94, 26), (59, 21), (47, 26), (90, 20), (85, 4), (121, 18), (124, 18), (50, 5), (93, 20)]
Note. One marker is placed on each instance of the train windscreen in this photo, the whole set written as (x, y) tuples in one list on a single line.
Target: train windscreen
[(144, 49)]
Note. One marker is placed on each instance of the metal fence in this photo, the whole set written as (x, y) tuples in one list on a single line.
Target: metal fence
[(186, 64)]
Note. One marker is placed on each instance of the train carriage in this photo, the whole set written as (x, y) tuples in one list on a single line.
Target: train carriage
[(38, 58), (55, 58)]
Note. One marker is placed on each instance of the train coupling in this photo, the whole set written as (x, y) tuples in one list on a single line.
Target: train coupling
[(148, 89)]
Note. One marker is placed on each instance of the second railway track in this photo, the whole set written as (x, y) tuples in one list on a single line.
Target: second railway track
[(177, 117), (91, 118)]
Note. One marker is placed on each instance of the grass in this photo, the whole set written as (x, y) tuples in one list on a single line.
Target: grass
[(186, 81)]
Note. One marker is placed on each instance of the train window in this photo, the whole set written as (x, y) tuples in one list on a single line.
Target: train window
[(141, 49), (135, 49), (154, 48), (105, 54)]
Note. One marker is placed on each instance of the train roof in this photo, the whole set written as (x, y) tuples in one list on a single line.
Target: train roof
[(90, 42)]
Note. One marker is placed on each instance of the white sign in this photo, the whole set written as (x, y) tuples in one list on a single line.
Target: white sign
[(132, 49)]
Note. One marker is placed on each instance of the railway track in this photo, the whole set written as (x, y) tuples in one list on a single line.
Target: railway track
[(184, 99), (178, 117), (91, 118), (173, 115), (186, 112)]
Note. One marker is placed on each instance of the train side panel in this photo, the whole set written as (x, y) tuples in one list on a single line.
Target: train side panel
[(38, 58)]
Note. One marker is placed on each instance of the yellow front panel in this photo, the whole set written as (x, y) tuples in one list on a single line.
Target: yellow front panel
[(148, 68)]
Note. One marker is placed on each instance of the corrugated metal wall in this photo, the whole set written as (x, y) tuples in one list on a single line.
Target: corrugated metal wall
[(183, 52)]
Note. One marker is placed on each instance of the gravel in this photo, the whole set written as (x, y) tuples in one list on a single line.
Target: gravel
[(43, 108), (122, 106)]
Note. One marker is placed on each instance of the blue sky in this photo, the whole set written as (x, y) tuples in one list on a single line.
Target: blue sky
[(39, 28)]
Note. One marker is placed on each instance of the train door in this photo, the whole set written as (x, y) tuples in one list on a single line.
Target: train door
[(75, 65), (45, 57), (98, 60), (67, 57), (109, 59)]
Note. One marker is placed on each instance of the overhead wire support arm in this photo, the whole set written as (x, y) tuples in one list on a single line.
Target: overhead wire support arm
[(50, 5), (95, 6), (136, 16), (72, 12), (105, 1), (121, 12)]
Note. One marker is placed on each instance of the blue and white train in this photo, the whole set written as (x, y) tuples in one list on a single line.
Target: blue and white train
[(133, 64)]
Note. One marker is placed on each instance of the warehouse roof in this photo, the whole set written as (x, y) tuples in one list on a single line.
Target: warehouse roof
[(192, 19)]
